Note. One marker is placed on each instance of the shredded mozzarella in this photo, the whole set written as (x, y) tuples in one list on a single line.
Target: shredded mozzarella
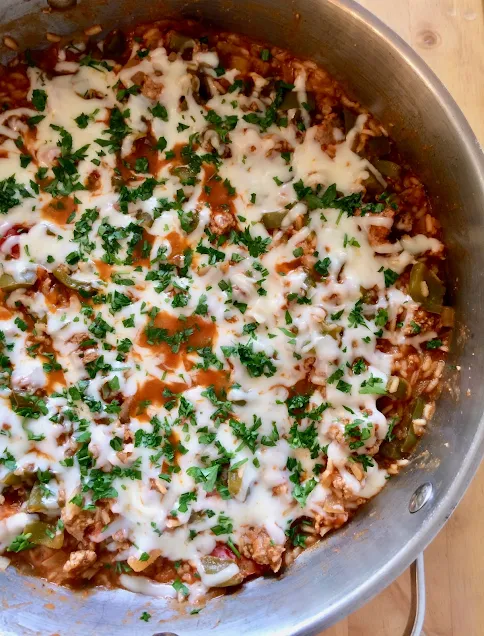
[(195, 387)]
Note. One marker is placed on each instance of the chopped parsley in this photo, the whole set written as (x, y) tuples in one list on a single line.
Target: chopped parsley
[(373, 386), (257, 363), (390, 277), (20, 543), (39, 99), (9, 194)]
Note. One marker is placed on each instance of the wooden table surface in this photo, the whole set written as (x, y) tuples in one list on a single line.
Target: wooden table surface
[(449, 36)]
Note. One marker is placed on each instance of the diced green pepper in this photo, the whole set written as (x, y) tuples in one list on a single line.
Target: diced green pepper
[(190, 221), (400, 392), (107, 392), (144, 218), (184, 174), (9, 283), (11, 479), (291, 100), (391, 450), (179, 42), (332, 330), (397, 448), (66, 279), (214, 565), (36, 498), (392, 200), (117, 183), (388, 169), (426, 288), (234, 482), (411, 439), (369, 296), (45, 534), (24, 400), (372, 185), (273, 220)]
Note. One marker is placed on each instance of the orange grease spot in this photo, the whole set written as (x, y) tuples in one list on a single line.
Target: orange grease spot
[(215, 193), (202, 333), (5, 313), (152, 392), (59, 210), (288, 266), (178, 244), (104, 269), (220, 380), (143, 147), (141, 253)]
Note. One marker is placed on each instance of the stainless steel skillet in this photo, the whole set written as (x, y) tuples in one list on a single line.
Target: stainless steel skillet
[(351, 566)]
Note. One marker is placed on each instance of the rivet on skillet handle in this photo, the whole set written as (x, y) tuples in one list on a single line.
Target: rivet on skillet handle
[(420, 497)]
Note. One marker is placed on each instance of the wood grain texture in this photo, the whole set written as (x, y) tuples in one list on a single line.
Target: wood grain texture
[(449, 36)]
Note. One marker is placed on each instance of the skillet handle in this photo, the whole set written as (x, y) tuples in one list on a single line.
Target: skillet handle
[(417, 573)]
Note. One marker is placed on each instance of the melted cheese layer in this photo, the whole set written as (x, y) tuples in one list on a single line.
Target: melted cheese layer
[(201, 375)]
